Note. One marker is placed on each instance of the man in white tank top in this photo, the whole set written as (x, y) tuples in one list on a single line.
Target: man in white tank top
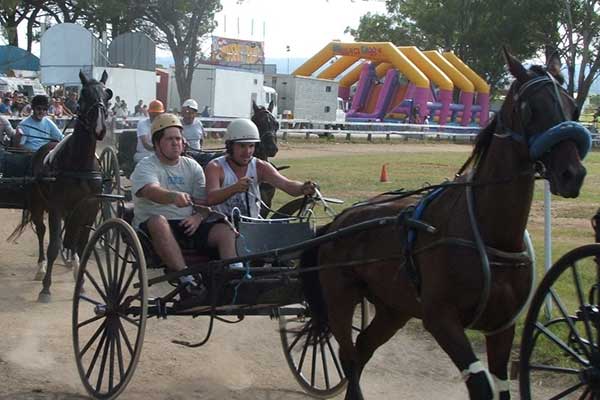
[(233, 180)]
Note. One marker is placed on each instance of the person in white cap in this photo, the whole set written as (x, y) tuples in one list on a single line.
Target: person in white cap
[(232, 180), (193, 131)]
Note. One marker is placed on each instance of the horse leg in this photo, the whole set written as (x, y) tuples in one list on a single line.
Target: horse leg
[(53, 249), (498, 347), (443, 322), (37, 217), (381, 329), (341, 303)]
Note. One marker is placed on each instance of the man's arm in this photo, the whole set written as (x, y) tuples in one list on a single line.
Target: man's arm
[(55, 133), (157, 194), (214, 193), (267, 173), (19, 139), (143, 134)]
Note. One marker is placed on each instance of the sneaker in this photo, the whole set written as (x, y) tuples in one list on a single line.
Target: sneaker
[(191, 294)]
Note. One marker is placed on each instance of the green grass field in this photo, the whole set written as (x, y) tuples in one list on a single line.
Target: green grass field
[(356, 177)]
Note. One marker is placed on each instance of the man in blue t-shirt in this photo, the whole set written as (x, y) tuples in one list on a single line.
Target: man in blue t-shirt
[(37, 130)]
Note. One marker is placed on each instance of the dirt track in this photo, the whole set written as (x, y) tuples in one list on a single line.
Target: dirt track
[(240, 362)]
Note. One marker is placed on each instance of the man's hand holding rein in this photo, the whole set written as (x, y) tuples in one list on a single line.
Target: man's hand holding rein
[(180, 199)]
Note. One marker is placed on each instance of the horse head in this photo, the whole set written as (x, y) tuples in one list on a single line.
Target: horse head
[(540, 115), (93, 104), (267, 127)]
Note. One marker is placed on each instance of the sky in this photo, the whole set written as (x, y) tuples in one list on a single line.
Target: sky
[(304, 25)]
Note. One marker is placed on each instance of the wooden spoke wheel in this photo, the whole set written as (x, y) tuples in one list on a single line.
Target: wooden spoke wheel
[(109, 320), (313, 359), (111, 184), (560, 352)]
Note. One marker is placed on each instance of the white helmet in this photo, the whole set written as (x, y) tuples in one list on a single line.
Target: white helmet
[(242, 130), (191, 103)]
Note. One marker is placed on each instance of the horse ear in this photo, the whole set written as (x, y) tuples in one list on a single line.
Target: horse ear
[(515, 67), (104, 77), (82, 77), (271, 106), (255, 108)]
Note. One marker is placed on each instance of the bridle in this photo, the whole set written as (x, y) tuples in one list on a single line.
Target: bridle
[(539, 142), (84, 116)]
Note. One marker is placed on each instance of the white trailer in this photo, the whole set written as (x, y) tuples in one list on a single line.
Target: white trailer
[(306, 97), (228, 92), (30, 87)]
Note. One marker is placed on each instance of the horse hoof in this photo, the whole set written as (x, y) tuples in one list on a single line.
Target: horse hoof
[(44, 298), (39, 276)]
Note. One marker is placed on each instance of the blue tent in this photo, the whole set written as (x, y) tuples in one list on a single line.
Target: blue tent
[(12, 57)]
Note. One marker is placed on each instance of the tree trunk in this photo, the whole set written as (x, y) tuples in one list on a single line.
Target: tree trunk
[(31, 21), (11, 33)]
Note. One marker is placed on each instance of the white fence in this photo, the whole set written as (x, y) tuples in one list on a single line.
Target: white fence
[(347, 130)]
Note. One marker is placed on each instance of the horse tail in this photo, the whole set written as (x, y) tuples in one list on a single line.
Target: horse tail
[(25, 220), (311, 285)]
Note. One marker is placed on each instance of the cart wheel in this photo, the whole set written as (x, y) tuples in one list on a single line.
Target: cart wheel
[(111, 184), (560, 354), (314, 361), (110, 319)]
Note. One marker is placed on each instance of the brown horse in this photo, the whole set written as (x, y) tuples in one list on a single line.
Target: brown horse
[(472, 271), (69, 180), (267, 127)]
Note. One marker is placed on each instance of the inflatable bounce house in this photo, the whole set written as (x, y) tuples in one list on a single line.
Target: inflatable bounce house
[(402, 83)]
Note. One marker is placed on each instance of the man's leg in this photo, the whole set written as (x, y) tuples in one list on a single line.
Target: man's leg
[(164, 243), (192, 291), (222, 237)]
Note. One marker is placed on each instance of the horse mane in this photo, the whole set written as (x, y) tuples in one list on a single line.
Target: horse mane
[(482, 143)]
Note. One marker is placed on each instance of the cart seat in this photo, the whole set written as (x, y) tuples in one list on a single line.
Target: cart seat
[(191, 256), (15, 164), (258, 236)]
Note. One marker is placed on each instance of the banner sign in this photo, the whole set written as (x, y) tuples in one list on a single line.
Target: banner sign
[(227, 51)]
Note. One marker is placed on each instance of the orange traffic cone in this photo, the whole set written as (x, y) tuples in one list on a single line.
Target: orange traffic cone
[(384, 174)]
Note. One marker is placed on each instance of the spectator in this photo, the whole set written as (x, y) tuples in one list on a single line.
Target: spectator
[(597, 114), (206, 112), (117, 105), (56, 108), (71, 106), (137, 110), (144, 139), (17, 105), (37, 130), (193, 131), (124, 111), (145, 111), (5, 106), (26, 110), (6, 131)]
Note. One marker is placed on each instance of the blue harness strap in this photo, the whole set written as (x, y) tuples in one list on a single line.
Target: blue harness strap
[(418, 213), (411, 236)]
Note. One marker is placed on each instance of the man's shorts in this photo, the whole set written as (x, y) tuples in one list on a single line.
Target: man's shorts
[(197, 241)]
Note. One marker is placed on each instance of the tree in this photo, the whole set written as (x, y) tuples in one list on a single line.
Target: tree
[(475, 30), (12, 13), (179, 26), (578, 30)]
